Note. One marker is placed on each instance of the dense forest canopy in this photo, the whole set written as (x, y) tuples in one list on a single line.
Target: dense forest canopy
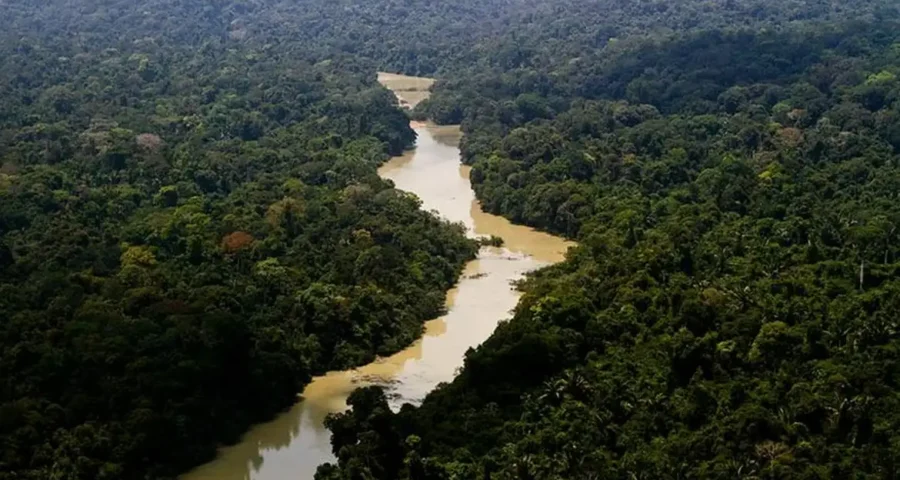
[(191, 225), (731, 312), (188, 232)]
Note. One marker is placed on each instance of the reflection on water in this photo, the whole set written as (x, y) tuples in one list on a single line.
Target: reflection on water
[(295, 443)]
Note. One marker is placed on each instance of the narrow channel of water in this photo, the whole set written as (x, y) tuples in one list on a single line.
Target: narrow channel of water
[(291, 446)]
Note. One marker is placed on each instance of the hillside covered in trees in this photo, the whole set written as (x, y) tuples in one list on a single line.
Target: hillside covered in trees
[(731, 312), (188, 232), (191, 225)]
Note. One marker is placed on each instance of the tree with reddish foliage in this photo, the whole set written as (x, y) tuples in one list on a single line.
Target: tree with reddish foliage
[(236, 241)]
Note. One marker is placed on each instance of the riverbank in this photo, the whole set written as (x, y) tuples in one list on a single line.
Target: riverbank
[(295, 443)]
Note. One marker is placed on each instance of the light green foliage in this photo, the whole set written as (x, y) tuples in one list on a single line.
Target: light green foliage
[(139, 256), (880, 78)]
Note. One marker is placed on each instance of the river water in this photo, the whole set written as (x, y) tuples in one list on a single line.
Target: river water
[(291, 446)]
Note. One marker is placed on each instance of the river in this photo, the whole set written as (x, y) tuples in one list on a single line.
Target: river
[(291, 446)]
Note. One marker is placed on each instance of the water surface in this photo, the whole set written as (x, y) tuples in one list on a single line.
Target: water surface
[(291, 446), (408, 90)]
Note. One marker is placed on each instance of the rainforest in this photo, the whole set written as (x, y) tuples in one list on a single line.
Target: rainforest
[(193, 226)]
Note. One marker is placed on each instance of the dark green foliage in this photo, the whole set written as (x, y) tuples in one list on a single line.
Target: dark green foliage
[(731, 310), (189, 229), (191, 225)]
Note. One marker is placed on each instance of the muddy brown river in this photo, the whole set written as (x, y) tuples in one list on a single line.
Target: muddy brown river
[(291, 446)]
